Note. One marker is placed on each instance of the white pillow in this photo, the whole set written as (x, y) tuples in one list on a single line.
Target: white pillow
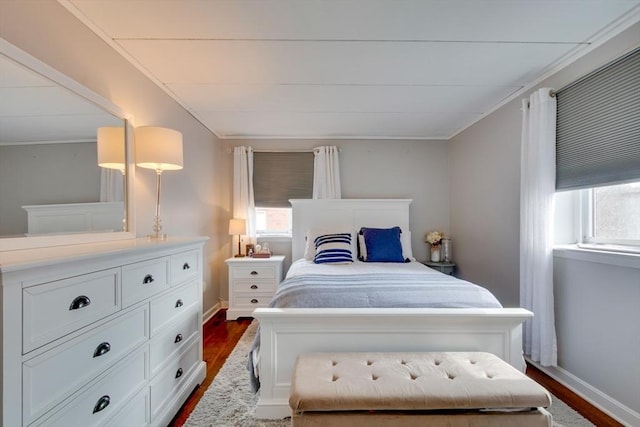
[(405, 241)]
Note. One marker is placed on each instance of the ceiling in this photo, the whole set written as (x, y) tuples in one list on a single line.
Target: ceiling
[(414, 69)]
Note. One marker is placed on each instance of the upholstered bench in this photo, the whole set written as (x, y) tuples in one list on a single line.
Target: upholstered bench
[(414, 389)]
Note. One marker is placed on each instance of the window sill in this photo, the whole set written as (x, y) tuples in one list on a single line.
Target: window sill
[(620, 259), (273, 238)]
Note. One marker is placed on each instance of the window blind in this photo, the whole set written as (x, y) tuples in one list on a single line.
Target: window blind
[(280, 176), (598, 127)]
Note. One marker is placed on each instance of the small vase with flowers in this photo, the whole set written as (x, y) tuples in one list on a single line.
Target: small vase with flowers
[(434, 238)]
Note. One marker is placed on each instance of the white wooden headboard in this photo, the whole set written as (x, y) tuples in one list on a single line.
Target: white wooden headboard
[(344, 214)]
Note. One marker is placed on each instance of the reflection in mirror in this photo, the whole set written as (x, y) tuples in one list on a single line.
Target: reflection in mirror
[(50, 181)]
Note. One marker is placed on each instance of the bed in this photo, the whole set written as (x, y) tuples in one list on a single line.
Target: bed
[(286, 332)]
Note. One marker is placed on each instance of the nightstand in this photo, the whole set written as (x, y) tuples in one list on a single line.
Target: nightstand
[(443, 267), (252, 283)]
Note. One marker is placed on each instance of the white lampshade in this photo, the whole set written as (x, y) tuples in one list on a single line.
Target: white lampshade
[(111, 149), (158, 148), (237, 226)]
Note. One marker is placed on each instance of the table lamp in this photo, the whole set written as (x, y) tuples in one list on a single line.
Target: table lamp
[(237, 227), (159, 149)]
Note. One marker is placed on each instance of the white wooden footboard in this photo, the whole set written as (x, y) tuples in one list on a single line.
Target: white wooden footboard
[(285, 333)]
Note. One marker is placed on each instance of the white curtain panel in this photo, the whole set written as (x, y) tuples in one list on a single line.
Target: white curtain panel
[(111, 185), (537, 188), (326, 173), (243, 203)]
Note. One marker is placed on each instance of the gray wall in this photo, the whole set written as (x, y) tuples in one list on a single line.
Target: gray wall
[(415, 170), (39, 174), (597, 319), (191, 203)]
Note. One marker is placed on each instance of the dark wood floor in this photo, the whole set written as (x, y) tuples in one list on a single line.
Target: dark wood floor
[(220, 337)]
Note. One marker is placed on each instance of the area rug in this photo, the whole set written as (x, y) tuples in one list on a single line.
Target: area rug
[(229, 401)]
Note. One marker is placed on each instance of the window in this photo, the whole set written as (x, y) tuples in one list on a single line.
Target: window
[(273, 221), (611, 216), (278, 177), (598, 157)]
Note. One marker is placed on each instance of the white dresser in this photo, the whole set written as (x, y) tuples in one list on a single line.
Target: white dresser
[(252, 283), (101, 334)]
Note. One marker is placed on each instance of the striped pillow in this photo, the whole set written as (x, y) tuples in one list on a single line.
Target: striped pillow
[(333, 249)]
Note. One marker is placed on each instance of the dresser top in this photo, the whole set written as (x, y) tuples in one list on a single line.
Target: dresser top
[(41, 257)]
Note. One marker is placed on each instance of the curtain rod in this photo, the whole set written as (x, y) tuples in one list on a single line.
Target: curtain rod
[(280, 150)]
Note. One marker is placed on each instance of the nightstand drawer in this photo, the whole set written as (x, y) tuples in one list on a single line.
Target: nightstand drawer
[(255, 286), (254, 272), (252, 300), (252, 283), (143, 280), (54, 309)]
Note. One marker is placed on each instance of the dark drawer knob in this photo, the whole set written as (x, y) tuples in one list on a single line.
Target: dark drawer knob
[(186, 266), (79, 302), (178, 338), (254, 301), (102, 403), (254, 286), (148, 279), (179, 303), (254, 273), (103, 348), (179, 373)]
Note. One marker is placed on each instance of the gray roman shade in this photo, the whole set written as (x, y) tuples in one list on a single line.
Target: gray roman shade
[(280, 176), (598, 127)]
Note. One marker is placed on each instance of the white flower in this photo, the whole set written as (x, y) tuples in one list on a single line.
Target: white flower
[(434, 237)]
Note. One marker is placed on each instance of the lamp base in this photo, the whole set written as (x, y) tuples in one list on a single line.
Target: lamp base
[(238, 256), (158, 237)]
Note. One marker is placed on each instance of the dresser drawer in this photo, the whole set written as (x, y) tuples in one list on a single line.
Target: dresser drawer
[(143, 280), (165, 384), (173, 339), (185, 266), (54, 309), (135, 413), (252, 300), (166, 309), (54, 375), (254, 286), (254, 272), (95, 405)]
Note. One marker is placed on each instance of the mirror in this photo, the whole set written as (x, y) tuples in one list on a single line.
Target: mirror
[(52, 190)]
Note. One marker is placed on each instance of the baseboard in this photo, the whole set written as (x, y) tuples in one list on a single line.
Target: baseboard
[(597, 398), (208, 315)]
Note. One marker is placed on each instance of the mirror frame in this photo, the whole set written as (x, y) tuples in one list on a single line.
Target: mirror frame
[(30, 242)]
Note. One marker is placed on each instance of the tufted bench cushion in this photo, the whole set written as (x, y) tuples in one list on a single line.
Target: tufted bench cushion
[(435, 381)]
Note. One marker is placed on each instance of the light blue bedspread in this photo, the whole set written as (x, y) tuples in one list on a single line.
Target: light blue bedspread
[(381, 290)]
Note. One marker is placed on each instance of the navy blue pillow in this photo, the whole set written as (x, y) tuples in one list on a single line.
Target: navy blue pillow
[(382, 244)]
